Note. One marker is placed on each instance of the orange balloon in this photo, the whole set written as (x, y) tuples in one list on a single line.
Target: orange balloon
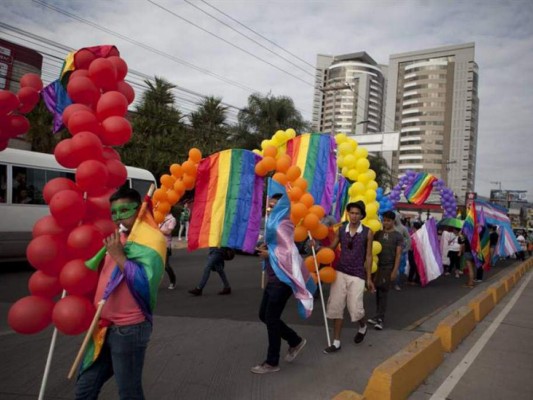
[(325, 255), (311, 221), (320, 232), (195, 155), (179, 187), (172, 197), (295, 220), (281, 178), (188, 181), (315, 278), (158, 217), (295, 193), (163, 207), (300, 233), (301, 183), (293, 172), (160, 195), (283, 163), (298, 210), (189, 168), (307, 199), (260, 168), (327, 274), (176, 170), (167, 180), (310, 263), (318, 211), (270, 151), (269, 163)]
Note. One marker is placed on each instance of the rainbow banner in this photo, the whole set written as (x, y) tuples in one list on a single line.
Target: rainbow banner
[(314, 153), (227, 202), (69, 63), (420, 189), (475, 230), (341, 197)]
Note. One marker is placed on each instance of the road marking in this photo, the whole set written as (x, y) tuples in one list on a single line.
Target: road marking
[(453, 379)]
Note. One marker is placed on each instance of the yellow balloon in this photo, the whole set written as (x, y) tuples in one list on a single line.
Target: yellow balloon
[(340, 161), (350, 161), (376, 248), (358, 188), (344, 148), (344, 171), (257, 152), (363, 178), (371, 173), (353, 144), (374, 267), (373, 185), (265, 143), (362, 164), (291, 133), (361, 152), (375, 259), (359, 198), (371, 209), (352, 174), (374, 225), (370, 195), (340, 138)]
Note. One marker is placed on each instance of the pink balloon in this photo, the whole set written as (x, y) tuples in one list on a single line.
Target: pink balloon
[(82, 90), (117, 131), (73, 314), (77, 279), (31, 80), (47, 253), (67, 207), (103, 73), (91, 176), (31, 314), (44, 285), (111, 104)]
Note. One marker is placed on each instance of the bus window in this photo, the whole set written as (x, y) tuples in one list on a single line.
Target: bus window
[(141, 185), (3, 183)]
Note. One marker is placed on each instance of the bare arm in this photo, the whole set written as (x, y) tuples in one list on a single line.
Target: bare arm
[(336, 240)]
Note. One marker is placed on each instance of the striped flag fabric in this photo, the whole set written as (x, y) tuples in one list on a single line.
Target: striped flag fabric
[(314, 153), (477, 234), (340, 197), (56, 99), (227, 202), (418, 192), (426, 249)]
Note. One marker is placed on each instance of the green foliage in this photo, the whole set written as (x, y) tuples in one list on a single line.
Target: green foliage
[(382, 170), (209, 128), (40, 134)]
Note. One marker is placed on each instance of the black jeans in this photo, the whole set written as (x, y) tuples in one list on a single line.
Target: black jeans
[(275, 298), (413, 270), (168, 268), (382, 282), (455, 261)]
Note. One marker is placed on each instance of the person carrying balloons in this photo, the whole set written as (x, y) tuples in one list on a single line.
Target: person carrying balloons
[(391, 242), (353, 270), (131, 270)]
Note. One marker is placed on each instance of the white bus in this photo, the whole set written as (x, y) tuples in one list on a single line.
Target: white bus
[(23, 175)]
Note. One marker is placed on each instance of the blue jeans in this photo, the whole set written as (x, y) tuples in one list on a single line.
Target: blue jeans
[(122, 355), (215, 262)]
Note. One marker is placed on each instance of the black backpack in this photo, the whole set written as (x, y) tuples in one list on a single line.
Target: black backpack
[(228, 253)]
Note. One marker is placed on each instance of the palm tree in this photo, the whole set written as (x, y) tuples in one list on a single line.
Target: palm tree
[(382, 170), (209, 126)]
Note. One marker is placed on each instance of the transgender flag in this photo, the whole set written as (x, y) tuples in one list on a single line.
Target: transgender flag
[(314, 153), (227, 202)]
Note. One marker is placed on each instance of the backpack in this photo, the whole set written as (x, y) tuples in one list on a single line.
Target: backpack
[(228, 253)]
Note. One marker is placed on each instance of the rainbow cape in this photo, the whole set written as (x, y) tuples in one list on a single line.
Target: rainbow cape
[(284, 258), (146, 250), (420, 189), (314, 153), (227, 202)]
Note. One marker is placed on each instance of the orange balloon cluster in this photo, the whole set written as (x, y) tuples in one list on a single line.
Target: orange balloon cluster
[(174, 185), (324, 258)]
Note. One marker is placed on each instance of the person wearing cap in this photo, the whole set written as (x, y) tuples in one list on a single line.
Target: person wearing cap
[(353, 271)]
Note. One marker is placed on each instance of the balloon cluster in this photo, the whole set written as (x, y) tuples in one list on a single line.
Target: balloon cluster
[(12, 123), (80, 216), (173, 186), (376, 249), (324, 257), (447, 198), (354, 165), (385, 203)]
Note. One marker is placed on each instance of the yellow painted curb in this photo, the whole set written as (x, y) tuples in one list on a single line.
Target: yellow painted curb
[(455, 327), (349, 395), (509, 282), (517, 275), (397, 377), (498, 291), (482, 305)]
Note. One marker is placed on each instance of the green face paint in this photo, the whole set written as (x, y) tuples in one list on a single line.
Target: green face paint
[(123, 211)]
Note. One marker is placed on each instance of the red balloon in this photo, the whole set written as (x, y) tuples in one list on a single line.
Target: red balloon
[(76, 278), (31, 80), (126, 89), (3, 145), (91, 176), (73, 314), (103, 73), (64, 154), (44, 285), (71, 109), (120, 66), (105, 226), (29, 97), (87, 146), (117, 131), (8, 102), (111, 104), (17, 125), (82, 121), (79, 73), (48, 225), (47, 253), (67, 207), (56, 185), (117, 173), (110, 153), (82, 90), (98, 207), (31, 314), (84, 241), (113, 52), (83, 58)]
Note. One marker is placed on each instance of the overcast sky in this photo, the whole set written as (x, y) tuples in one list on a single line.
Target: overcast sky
[(502, 32)]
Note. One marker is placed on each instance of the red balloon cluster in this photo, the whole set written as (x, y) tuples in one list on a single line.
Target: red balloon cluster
[(80, 215), (12, 123)]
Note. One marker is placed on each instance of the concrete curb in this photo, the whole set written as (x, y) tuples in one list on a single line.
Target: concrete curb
[(397, 377)]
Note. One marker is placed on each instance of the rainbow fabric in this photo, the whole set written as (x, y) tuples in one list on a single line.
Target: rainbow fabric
[(314, 153), (341, 197), (56, 99), (426, 251), (69, 65), (420, 189), (478, 235), (227, 202)]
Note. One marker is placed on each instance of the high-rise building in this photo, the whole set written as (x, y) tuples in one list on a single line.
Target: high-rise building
[(349, 94), (432, 99)]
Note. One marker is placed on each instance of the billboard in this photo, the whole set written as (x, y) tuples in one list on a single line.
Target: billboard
[(508, 196)]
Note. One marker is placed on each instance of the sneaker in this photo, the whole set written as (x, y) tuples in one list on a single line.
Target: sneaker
[(379, 325), (331, 349), (397, 287), (294, 351), (446, 273), (196, 291), (457, 275), (372, 321), (226, 290), (264, 369), (172, 286), (359, 337), (478, 280)]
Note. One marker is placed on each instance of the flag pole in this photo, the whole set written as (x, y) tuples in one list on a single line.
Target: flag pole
[(320, 288)]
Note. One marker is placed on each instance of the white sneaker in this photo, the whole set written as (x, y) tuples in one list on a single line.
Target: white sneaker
[(172, 286), (294, 351)]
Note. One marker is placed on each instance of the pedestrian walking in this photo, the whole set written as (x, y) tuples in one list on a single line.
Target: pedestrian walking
[(215, 262), (185, 216), (166, 227)]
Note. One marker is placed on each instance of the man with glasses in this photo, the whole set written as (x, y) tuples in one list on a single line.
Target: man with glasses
[(353, 270)]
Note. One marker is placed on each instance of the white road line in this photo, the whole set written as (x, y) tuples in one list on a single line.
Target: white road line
[(453, 379)]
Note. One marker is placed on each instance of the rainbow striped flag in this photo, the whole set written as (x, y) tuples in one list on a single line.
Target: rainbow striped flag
[(420, 189), (341, 197), (227, 202), (314, 153), (478, 236), (69, 65)]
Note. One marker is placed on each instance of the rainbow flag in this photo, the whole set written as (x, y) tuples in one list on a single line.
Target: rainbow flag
[(478, 235), (69, 66), (341, 197), (227, 202), (56, 99), (314, 153), (420, 189)]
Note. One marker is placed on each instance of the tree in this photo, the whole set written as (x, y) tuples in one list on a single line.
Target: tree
[(382, 170), (40, 134), (209, 126)]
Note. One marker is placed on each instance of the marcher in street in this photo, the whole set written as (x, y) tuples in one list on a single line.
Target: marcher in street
[(215, 262), (185, 216), (413, 277), (493, 242), (166, 227), (468, 258)]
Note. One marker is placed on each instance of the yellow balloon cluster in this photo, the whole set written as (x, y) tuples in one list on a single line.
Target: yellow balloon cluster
[(376, 249), (173, 186), (278, 140), (353, 162)]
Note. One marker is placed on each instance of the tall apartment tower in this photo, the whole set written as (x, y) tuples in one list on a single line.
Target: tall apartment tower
[(349, 94), (433, 101)]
